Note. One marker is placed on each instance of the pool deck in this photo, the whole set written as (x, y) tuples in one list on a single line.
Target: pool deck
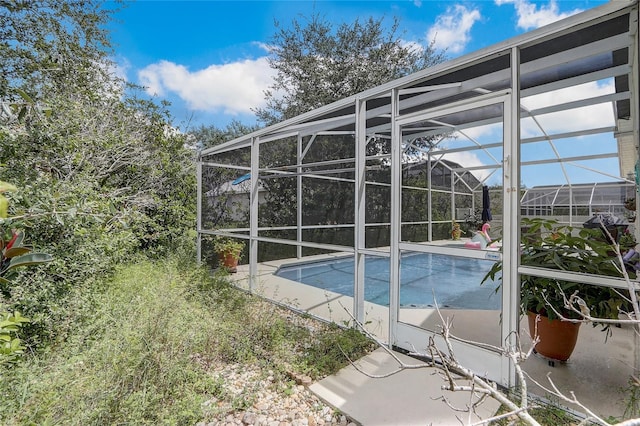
[(598, 371)]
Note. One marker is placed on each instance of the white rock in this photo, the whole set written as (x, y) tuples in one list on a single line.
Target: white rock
[(249, 418)]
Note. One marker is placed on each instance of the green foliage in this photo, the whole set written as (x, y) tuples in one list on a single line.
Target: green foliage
[(547, 244), (15, 255), (102, 175), (318, 63), (226, 246), (327, 354), (47, 46), (632, 399), (143, 351), (10, 345), (85, 239), (132, 361), (208, 136), (104, 180), (627, 241)]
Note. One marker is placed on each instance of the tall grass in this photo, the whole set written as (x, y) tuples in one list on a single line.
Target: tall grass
[(145, 352), (129, 364)]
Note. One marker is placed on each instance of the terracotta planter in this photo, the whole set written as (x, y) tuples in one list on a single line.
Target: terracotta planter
[(557, 338), (229, 261)]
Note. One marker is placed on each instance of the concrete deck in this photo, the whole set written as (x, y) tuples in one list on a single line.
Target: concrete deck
[(598, 371), (410, 397)]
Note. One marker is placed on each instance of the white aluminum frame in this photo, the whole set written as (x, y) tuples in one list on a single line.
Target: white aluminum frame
[(353, 111), (476, 357)]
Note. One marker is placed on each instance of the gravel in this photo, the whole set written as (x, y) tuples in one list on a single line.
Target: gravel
[(251, 394), (257, 397)]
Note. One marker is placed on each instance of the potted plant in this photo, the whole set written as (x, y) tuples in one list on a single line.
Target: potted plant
[(456, 232), (228, 250), (547, 244)]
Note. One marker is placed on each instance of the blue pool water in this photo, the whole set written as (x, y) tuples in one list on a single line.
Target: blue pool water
[(455, 281)]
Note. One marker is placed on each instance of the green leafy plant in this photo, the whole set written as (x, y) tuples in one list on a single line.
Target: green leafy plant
[(10, 345), (330, 350), (14, 255), (164, 365), (549, 245), (627, 241), (226, 246)]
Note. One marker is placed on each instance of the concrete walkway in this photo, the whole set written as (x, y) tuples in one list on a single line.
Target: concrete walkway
[(410, 397)]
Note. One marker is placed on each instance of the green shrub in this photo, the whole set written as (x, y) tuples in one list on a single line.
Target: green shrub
[(142, 350), (133, 363), (326, 354), (10, 344)]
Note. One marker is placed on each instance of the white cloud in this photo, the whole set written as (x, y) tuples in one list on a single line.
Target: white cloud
[(120, 68), (469, 159), (451, 30), (489, 133), (600, 115), (151, 77), (414, 46), (531, 16), (569, 94), (264, 46), (232, 88)]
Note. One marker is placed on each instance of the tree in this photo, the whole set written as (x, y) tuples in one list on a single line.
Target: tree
[(208, 136), (48, 45), (102, 174), (317, 64)]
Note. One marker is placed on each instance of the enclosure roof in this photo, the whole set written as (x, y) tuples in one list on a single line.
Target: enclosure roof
[(593, 45), (587, 194)]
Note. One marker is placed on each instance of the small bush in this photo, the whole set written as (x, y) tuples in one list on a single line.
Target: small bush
[(326, 355), (132, 364)]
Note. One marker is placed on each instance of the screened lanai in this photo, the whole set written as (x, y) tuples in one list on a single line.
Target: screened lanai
[(577, 203), (353, 206)]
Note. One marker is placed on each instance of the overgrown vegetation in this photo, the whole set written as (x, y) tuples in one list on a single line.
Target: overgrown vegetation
[(104, 180), (116, 332), (143, 351), (101, 175)]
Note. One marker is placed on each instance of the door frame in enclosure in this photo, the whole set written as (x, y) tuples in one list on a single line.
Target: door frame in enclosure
[(487, 362)]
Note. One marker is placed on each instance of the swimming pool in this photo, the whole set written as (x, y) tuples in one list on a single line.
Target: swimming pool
[(454, 280)]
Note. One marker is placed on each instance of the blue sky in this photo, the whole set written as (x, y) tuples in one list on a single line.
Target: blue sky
[(208, 58)]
